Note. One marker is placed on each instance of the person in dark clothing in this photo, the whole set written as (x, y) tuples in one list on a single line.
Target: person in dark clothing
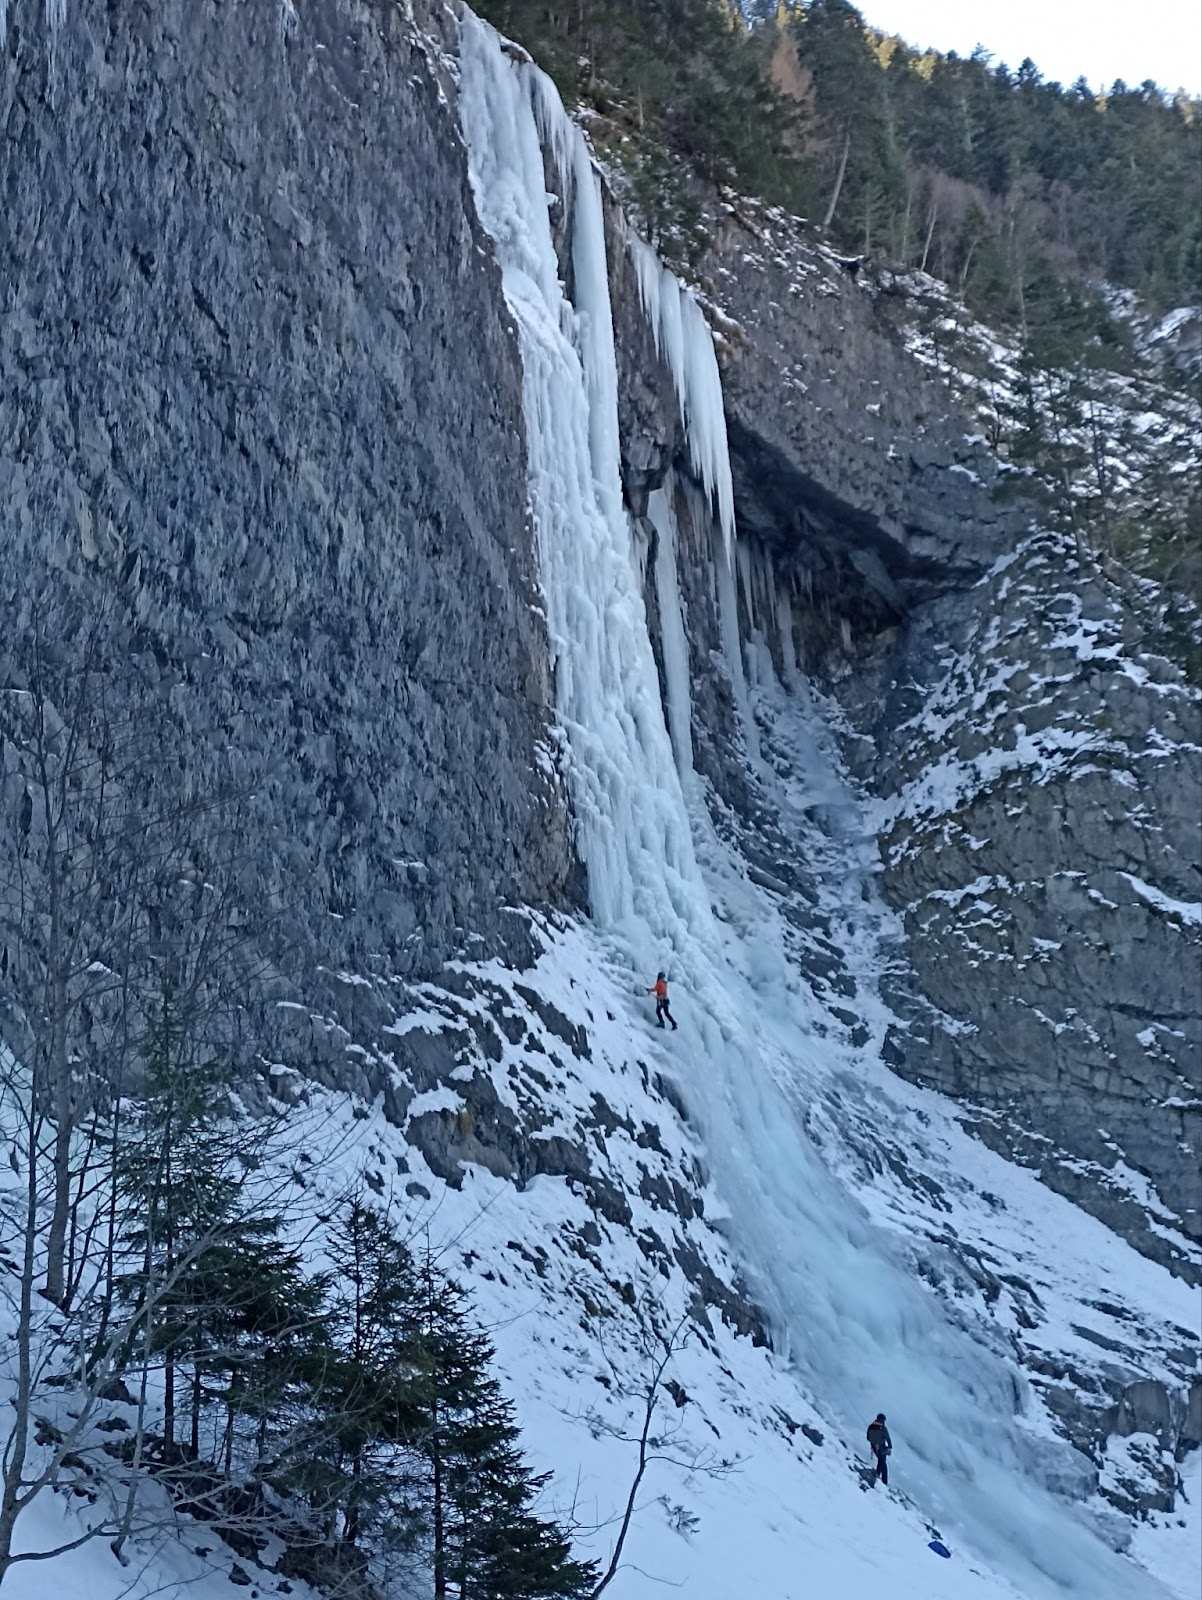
[(660, 990), (880, 1444)]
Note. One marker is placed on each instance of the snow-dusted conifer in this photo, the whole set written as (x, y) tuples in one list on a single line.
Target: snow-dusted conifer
[(488, 1539)]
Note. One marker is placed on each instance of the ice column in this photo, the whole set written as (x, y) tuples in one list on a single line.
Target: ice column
[(633, 827), (674, 641), (686, 346)]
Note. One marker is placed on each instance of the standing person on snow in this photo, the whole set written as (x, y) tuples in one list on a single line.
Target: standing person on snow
[(660, 990), (880, 1444)]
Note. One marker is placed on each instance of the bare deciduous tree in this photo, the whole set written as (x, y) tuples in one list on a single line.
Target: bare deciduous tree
[(119, 876), (654, 1436)]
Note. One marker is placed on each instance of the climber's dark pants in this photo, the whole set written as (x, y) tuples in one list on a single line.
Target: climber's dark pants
[(661, 1011), (882, 1466)]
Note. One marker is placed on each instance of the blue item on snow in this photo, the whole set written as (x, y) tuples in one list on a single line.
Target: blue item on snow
[(940, 1549)]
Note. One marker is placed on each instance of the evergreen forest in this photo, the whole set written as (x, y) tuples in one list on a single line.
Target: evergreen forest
[(989, 178)]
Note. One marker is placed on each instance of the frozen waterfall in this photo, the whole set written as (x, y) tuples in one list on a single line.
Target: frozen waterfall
[(846, 1309)]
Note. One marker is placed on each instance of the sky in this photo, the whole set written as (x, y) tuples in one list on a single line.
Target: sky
[(1099, 39)]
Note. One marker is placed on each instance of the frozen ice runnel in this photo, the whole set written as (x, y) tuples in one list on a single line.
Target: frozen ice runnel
[(846, 1308), (674, 640), (632, 825)]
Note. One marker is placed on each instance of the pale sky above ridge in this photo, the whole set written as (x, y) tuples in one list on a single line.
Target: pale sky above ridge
[(1100, 40)]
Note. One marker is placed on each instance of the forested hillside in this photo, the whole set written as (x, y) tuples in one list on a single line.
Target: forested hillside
[(993, 178), (989, 178), (1068, 223)]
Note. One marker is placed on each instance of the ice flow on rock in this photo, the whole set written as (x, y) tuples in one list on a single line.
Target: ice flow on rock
[(845, 1309)]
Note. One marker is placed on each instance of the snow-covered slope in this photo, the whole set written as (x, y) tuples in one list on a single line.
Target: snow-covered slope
[(550, 1273), (752, 1490)]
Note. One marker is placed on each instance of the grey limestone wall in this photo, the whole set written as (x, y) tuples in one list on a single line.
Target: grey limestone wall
[(260, 406), (1043, 773), (844, 451)]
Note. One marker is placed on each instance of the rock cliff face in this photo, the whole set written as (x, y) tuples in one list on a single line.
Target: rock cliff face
[(1035, 753), (254, 386), (844, 451), (1041, 836)]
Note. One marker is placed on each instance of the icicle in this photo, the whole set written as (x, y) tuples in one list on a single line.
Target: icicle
[(766, 582), (746, 585), (686, 346), (788, 649), (556, 130), (674, 640), (732, 652)]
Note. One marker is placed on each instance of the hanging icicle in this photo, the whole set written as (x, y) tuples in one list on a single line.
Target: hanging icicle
[(686, 346)]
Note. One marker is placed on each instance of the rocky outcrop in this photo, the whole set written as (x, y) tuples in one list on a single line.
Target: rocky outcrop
[(843, 452), (1040, 832)]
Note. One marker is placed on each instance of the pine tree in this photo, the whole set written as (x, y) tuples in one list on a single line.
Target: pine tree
[(259, 1343), (213, 1290), (173, 1175), (416, 1447), (488, 1542), (371, 1392)]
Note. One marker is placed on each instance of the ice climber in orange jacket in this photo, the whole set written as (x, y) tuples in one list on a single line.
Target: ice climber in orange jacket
[(660, 990)]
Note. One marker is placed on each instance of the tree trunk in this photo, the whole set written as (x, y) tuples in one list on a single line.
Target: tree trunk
[(830, 210), (168, 1273), (350, 1528), (117, 1546), (926, 249), (904, 253), (169, 1403), (611, 1570), (60, 1092), (440, 1553), (18, 1441), (194, 1436)]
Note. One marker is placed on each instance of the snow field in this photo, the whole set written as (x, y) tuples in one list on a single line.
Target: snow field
[(790, 1520)]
